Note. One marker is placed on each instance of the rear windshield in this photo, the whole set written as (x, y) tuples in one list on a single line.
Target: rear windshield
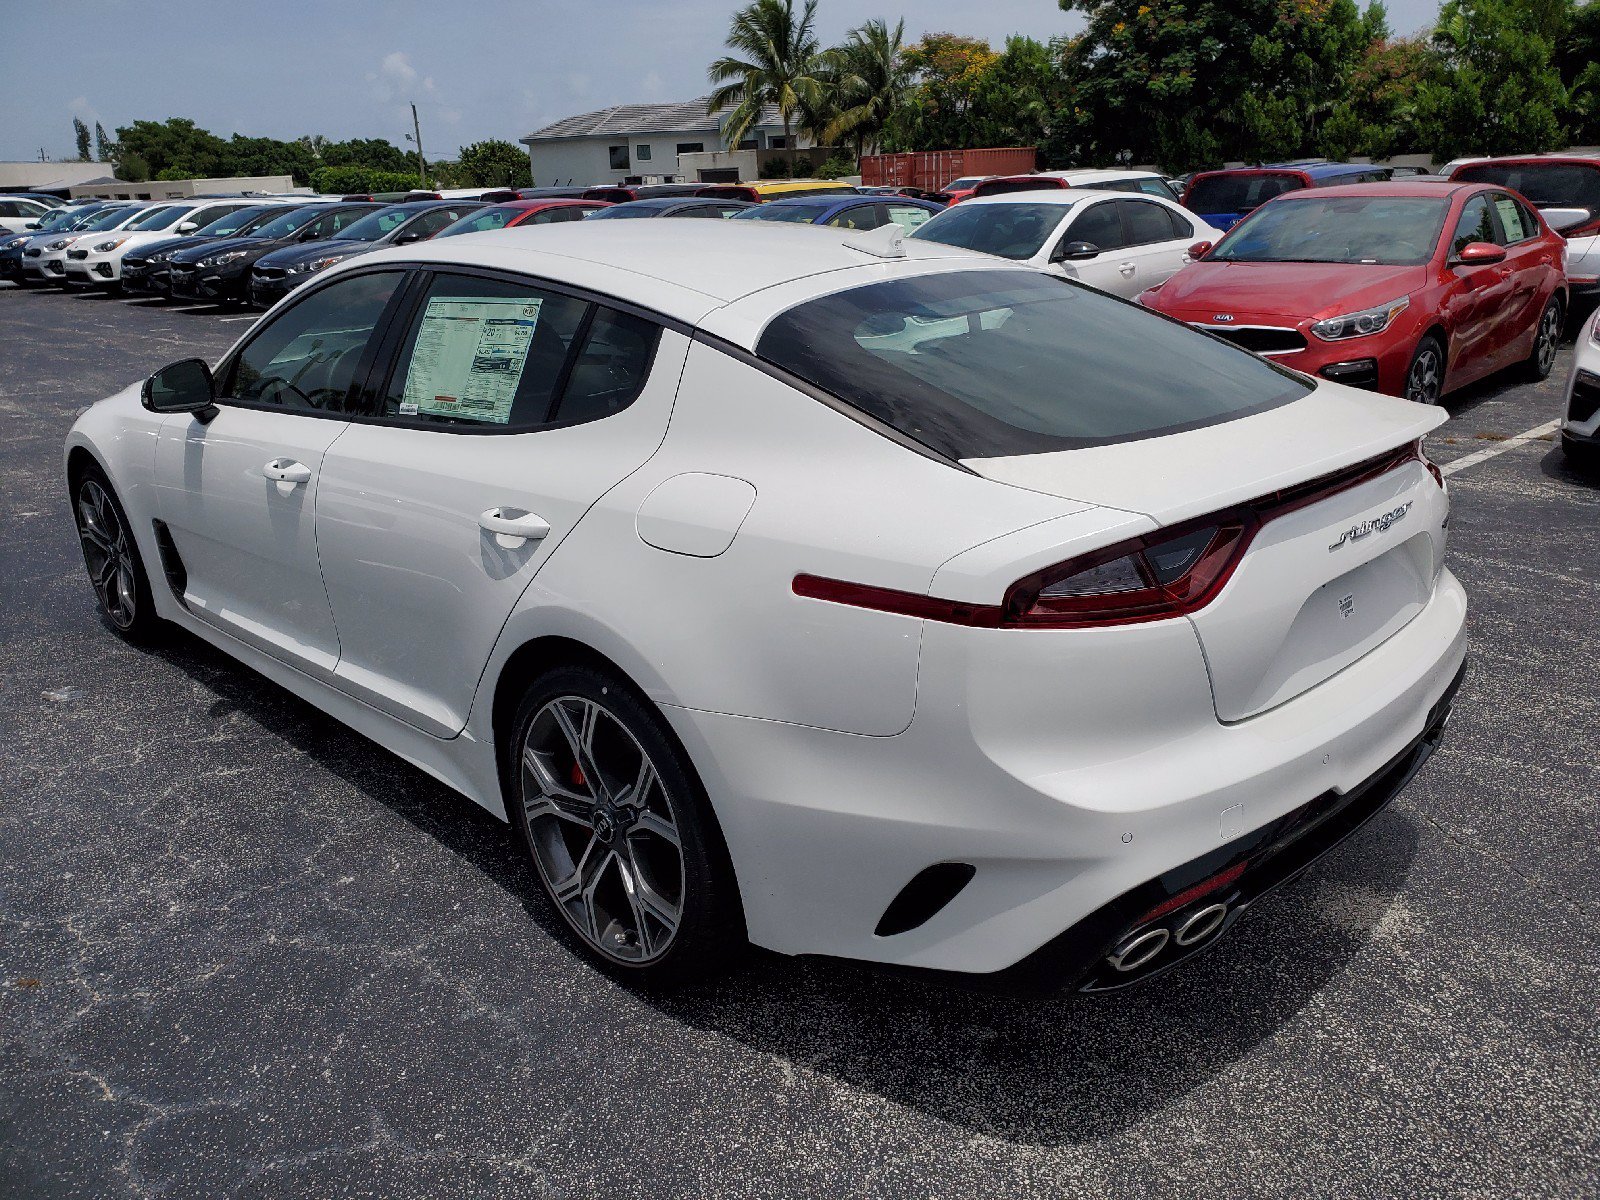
[(1238, 193), (1548, 185), (160, 218), (1004, 187), (1009, 230), (291, 222), (987, 363), (800, 214), (1388, 230)]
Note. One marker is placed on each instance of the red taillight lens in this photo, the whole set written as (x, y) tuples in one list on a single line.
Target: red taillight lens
[(1148, 578)]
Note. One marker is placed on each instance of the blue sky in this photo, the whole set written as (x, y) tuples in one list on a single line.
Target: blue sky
[(476, 68)]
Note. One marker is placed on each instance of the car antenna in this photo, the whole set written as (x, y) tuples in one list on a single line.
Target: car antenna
[(886, 241)]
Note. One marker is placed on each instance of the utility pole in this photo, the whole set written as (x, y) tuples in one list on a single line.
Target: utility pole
[(422, 163)]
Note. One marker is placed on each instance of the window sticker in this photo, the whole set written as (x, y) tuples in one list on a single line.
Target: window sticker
[(1510, 218), (469, 357)]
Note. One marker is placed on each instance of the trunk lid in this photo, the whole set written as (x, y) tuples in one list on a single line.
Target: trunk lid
[(1319, 586)]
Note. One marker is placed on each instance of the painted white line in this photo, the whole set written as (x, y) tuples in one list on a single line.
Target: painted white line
[(1499, 448), (225, 320)]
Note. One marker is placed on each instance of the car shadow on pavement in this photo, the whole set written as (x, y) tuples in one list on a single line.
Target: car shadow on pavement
[(1027, 1069)]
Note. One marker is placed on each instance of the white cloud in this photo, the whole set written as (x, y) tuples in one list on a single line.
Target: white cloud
[(396, 79), (80, 107)]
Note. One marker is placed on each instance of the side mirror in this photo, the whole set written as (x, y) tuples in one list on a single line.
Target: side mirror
[(1199, 250), (1478, 254), (406, 239), (1075, 252), (1563, 219), (181, 387), (187, 227)]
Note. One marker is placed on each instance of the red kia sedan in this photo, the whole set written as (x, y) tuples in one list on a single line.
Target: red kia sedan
[(522, 212), (1413, 289)]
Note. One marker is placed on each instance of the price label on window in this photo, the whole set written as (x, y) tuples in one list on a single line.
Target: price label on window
[(469, 357)]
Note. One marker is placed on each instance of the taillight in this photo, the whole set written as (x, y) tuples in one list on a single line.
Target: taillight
[(1149, 578), (1433, 467)]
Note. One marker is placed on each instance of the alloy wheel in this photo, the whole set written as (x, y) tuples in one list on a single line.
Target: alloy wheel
[(603, 829), (1424, 379), (108, 554), (1549, 339)]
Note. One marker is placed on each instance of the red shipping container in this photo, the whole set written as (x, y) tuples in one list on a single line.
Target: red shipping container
[(931, 170)]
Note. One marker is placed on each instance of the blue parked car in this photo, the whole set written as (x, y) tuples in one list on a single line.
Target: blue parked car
[(1224, 198), (845, 212)]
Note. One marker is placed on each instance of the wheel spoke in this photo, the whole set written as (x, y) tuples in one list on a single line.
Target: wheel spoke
[(565, 802), (638, 794), (580, 737), (645, 901), (591, 910), (649, 822), (572, 886)]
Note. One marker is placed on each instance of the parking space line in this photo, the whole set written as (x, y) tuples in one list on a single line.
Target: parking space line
[(1499, 448), (248, 317)]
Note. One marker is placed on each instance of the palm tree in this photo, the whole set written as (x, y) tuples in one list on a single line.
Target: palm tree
[(776, 60), (872, 81)]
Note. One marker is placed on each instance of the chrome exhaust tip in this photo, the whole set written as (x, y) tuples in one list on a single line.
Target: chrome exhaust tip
[(1201, 924), (1139, 950)]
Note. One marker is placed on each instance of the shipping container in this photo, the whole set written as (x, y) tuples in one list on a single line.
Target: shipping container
[(931, 170)]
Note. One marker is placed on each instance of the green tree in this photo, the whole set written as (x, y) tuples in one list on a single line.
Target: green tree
[(105, 150), (1378, 115), (775, 60), (1017, 96), (376, 153), (947, 70), (494, 163), (80, 134), (1502, 93), (132, 167), (176, 144), (869, 86), (1578, 59)]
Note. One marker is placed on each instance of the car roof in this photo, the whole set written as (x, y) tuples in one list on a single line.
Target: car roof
[(675, 201), (1065, 197), (1415, 188), (1101, 176), (682, 269), (548, 202), (1555, 158)]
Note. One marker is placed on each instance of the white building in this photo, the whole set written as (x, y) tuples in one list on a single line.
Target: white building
[(638, 142)]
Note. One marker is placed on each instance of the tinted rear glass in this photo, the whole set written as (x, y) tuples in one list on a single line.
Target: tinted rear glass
[(1548, 185), (1238, 193), (800, 214), (981, 364), (1009, 230)]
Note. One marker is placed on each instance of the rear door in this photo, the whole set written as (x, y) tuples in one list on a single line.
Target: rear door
[(505, 410), (1472, 308), (1158, 243), (1528, 260)]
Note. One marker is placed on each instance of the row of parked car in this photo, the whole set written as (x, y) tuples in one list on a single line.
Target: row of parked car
[(1413, 287)]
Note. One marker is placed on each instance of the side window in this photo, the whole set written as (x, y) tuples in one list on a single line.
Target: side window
[(482, 353), (860, 216), (1476, 225), (1182, 227), (610, 370), (490, 218), (1100, 225), (710, 211), (307, 358), (1147, 222), (1510, 214), (907, 216), (204, 216), (430, 222), (546, 216), (1151, 186)]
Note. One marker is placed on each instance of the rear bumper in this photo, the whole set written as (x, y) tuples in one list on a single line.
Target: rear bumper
[(1081, 791)]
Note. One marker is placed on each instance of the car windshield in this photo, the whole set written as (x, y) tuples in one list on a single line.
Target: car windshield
[(374, 225), (109, 219), (1009, 230), (495, 217), (1238, 193), (1389, 230), (59, 218), (238, 221), (1547, 185), (802, 214), (160, 218), (986, 363), (622, 212), (291, 221), (965, 182)]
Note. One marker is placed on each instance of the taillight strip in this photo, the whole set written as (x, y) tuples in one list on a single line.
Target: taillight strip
[(1251, 516)]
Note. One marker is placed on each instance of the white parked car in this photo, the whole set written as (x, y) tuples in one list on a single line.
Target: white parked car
[(97, 262), (44, 259), (18, 214), (852, 595), (1143, 183), (1580, 425), (1118, 243)]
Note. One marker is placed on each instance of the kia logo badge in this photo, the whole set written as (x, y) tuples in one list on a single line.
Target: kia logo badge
[(1223, 317)]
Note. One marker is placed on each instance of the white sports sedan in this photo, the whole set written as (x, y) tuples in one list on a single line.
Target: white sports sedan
[(849, 595), (45, 257), (97, 261), (1119, 243), (1580, 425)]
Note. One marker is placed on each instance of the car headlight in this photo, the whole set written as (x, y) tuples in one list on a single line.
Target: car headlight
[(60, 244), (160, 256), (13, 243), (222, 260), (108, 247), (1359, 324), (316, 264)]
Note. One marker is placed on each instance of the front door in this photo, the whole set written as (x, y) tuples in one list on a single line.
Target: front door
[(238, 493), (1111, 270), (1471, 310), (508, 411)]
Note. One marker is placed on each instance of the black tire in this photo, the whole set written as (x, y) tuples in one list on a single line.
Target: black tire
[(1546, 341), (1582, 456), (111, 557), (709, 930), (1425, 375)]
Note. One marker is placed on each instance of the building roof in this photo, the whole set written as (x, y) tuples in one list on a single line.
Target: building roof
[(627, 120)]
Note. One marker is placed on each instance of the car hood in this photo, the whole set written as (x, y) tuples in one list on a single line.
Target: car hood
[(1291, 291), (290, 256), (171, 245), (1282, 290), (224, 245)]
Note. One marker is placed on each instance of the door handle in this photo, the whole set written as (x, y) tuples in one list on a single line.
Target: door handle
[(512, 527), (286, 470), (1126, 268)]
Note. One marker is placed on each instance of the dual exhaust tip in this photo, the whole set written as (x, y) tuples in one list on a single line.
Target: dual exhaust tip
[(1143, 948)]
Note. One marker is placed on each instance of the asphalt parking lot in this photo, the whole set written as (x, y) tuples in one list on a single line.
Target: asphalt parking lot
[(245, 952)]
